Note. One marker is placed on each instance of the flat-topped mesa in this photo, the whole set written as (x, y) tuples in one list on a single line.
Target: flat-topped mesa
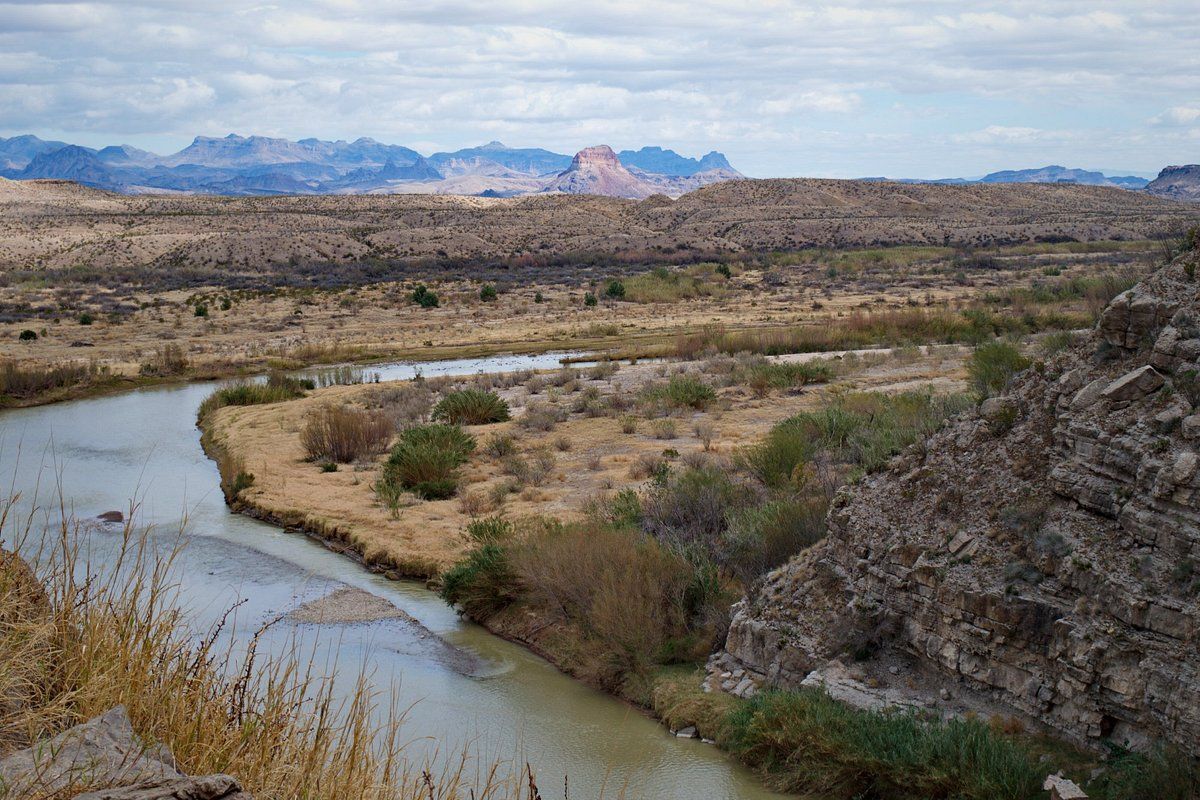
[(597, 170), (599, 156), (1039, 556)]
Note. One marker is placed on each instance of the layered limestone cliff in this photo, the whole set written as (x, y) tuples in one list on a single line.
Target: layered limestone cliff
[(1041, 554)]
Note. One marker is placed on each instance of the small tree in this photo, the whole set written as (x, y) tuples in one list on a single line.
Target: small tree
[(537, 298), (615, 290), (589, 299), (488, 293), (423, 297)]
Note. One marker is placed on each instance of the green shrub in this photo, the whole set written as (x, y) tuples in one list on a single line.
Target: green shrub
[(992, 367), (27, 336), (86, 319), (423, 297), (489, 530), (537, 298), (201, 310), (471, 407), (426, 459), (765, 375), (693, 508), (487, 293), (276, 389), (764, 536), (589, 299), (863, 430), (482, 584), (805, 741), (1163, 773), (681, 391), (615, 290)]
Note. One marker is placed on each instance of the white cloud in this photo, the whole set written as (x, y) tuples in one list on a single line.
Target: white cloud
[(783, 86), (1178, 115)]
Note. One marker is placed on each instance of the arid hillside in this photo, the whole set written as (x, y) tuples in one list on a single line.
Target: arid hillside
[(61, 226)]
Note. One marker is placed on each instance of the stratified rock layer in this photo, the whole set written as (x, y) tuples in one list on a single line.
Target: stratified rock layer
[(1047, 558)]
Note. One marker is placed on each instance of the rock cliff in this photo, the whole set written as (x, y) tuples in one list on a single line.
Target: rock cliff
[(1041, 554)]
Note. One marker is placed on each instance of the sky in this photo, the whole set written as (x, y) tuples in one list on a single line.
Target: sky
[(843, 88)]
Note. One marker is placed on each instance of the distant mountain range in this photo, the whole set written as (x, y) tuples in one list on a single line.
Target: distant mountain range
[(1050, 174), (260, 165)]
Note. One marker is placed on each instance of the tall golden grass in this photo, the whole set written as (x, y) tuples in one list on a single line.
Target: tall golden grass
[(78, 639)]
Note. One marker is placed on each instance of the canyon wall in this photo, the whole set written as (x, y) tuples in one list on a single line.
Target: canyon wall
[(1041, 554)]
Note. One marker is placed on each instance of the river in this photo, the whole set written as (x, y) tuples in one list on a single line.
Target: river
[(144, 445)]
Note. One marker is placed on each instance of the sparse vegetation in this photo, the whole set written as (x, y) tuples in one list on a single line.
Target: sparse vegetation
[(992, 367), (276, 389), (343, 434)]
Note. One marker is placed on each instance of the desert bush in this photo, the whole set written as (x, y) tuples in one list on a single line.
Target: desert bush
[(489, 530), (705, 432), (862, 430), (405, 404), (848, 753), (629, 424), (693, 508), (532, 468), (590, 403), (764, 536), (662, 285), (542, 417), (167, 361), (487, 293), (471, 407), (27, 336), (628, 594), (766, 375), (423, 297), (1161, 773), (343, 434), (681, 391), (589, 299), (476, 504), (482, 584), (663, 428), (276, 389), (992, 367), (22, 383), (500, 445), (426, 459), (648, 465)]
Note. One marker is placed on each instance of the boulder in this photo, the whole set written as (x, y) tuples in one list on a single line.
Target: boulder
[(1134, 385), (100, 752), (208, 787)]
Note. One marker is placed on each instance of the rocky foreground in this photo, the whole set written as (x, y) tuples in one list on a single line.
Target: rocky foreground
[(1040, 556)]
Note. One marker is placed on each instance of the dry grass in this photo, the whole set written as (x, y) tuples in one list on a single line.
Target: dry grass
[(343, 434), (85, 639)]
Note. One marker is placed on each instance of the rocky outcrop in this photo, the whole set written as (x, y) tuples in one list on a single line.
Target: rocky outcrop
[(105, 759), (597, 170), (1042, 554), (1177, 183)]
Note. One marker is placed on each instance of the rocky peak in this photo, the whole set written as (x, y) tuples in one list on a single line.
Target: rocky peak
[(600, 155), (1040, 554)]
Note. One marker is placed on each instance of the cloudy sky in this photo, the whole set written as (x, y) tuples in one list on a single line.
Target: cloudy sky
[(844, 88)]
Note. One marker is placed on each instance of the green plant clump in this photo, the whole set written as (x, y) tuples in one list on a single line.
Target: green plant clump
[(992, 367), (277, 389), (808, 742), (488, 293), (423, 297), (426, 459), (681, 391), (471, 407)]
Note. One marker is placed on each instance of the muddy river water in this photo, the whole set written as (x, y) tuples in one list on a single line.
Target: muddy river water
[(511, 705)]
